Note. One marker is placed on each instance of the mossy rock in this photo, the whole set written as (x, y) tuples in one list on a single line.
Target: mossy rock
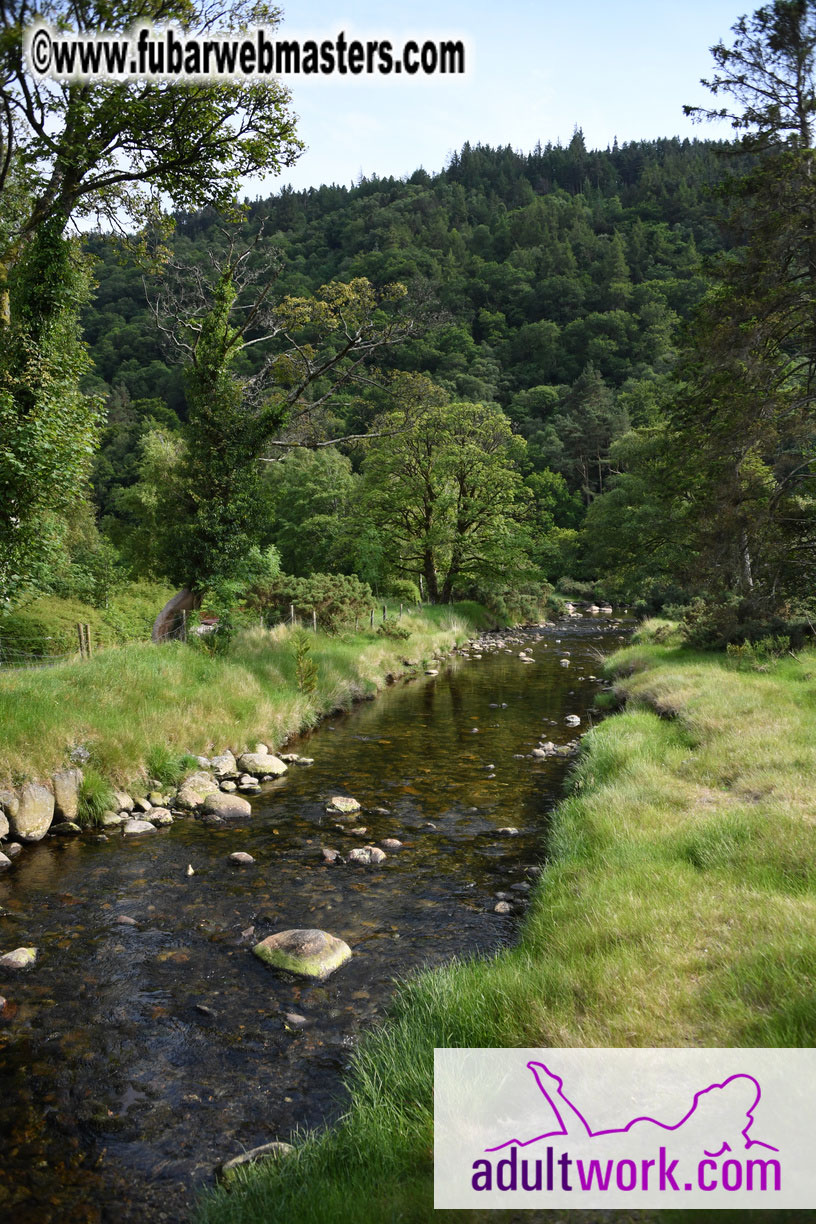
[(309, 953)]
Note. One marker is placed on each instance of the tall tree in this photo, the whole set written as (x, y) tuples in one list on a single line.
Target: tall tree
[(448, 494)]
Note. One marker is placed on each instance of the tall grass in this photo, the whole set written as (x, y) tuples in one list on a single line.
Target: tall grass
[(678, 907), (142, 710)]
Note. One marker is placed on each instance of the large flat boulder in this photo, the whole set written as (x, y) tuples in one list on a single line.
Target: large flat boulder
[(226, 806), (309, 952), (66, 793), (34, 814), (262, 764)]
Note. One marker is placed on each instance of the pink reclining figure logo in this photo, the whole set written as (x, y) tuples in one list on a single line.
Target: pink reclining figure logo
[(737, 1097)]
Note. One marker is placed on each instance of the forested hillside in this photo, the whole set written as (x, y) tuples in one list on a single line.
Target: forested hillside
[(552, 284)]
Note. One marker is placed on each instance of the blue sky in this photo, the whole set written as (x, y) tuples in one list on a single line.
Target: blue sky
[(538, 69)]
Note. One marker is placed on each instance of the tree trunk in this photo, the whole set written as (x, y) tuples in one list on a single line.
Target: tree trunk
[(431, 585), (169, 620)]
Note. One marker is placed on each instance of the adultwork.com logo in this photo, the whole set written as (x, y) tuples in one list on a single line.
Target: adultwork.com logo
[(637, 1128)]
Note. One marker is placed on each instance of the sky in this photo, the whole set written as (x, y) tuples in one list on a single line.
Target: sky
[(537, 69)]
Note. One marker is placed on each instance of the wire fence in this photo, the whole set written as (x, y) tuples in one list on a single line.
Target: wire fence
[(39, 652)]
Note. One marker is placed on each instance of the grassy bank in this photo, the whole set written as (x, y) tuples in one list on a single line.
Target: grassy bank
[(678, 908), (128, 706)]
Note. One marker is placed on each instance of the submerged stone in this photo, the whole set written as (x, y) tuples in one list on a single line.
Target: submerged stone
[(134, 827), (308, 952), (226, 806), (20, 958), (343, 804)]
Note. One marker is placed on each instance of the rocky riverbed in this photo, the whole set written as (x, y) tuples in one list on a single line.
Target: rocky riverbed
[(145, 1044)]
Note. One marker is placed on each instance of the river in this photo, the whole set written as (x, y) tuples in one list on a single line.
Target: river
[(134, 1059)]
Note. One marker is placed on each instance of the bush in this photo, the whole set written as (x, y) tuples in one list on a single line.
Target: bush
[(392, 629), (336, 598), (714, 623), (402, 590)]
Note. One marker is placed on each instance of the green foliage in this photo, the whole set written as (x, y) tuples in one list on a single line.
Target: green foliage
[(402, 590), (95, 797), (394, 630), (48, 428), (444, 487), (757, 655), (722, 620), (336, 598), (305, 668), (167, 765)]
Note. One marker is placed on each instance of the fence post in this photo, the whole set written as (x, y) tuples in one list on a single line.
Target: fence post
[(385, 613), (314, 619), (356, 624), (184, 624), (372, 618), (291, 614), (400, 613), (81, 637), (88, 650)]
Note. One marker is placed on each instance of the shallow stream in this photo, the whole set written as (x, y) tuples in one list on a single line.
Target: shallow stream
[(134, 1059)]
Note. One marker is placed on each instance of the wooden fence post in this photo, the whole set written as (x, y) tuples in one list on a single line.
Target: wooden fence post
[(400, 613), (81, 637), (385, 613), (88, 650), (314, 619), (372, 618), (292, 614), (184, 624)]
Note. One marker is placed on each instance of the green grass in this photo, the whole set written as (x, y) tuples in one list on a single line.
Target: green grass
[(95, 798), (678, 908), (142, 710)]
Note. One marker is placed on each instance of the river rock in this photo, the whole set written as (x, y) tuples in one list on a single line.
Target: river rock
[(343, 804), (262, 764), (9, 803), (309, 953), (4, 825), (4, 862), (13, 849), (261, 750), (269, 1151), (367, 855), (229, 788), (124, 802), (226, 806), (564, 662), (133, 827), (66, 828), (34, 814), (392, 843), (20, 958), (224, 765), (290, 758), (431, 671), (142, 805), (502, 907), (126, 920), (330, 855), (156, 798), (194, 790), (241, 858), (66, 793), (572, 720), (540, 752), (508, 831), (110, 820), (161, 816), (304, 761)]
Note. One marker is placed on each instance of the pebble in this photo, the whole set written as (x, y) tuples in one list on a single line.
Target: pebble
[(241, 857), (330, 855), (124, 920), (502, 907), (20, 958), (190, 871), (508, 831), (391, 843)]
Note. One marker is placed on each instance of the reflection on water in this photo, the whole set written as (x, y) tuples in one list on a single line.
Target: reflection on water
[(140, 1056)]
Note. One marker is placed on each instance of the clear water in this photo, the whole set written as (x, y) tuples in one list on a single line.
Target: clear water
[(118, 1093)]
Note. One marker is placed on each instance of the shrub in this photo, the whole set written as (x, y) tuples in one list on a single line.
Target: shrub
[(336, 598), (402, 590), (305, 668), (393, 630)]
